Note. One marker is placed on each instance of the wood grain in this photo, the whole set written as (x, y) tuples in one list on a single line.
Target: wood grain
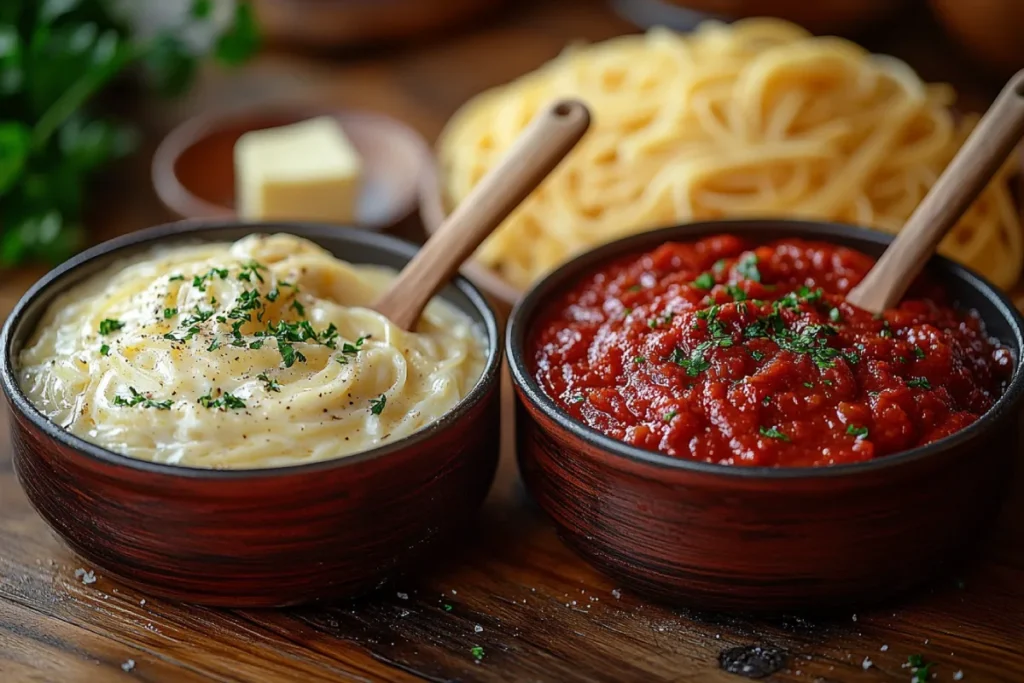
[(54, 628)]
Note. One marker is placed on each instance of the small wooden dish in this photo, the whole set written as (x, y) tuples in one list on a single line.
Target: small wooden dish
[(757, 538), (194, 175), (267, 537)]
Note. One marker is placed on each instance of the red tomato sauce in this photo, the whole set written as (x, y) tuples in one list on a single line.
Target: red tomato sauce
[(724, 353)]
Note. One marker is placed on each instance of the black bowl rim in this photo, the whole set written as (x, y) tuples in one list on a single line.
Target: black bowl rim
[(187, 231), (527, 306)]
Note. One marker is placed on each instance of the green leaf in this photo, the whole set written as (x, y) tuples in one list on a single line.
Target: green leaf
[(201, 9), (12, 74), (241, 40), (88, 144), (39, 236), (169, 64), (53, 9), (14, 149)]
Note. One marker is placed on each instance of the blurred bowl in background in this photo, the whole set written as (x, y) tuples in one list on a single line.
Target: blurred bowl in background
[(194, 174), (989, 30), (833, 16), (346, 23)]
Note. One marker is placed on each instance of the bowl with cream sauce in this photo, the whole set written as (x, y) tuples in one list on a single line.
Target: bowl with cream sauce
[(214, 413)]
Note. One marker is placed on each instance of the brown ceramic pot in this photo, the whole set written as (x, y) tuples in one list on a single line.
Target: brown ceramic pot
[(256, 537), (757, 538)]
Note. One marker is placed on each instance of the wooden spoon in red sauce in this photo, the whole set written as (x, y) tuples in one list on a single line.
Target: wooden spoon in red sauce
[(998, 132)]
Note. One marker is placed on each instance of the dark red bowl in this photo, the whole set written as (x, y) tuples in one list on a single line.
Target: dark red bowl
[(759, 538), (256, 538)]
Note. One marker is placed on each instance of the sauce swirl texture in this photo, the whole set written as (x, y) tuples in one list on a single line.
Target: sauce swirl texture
[(723, 352), (261, 353)]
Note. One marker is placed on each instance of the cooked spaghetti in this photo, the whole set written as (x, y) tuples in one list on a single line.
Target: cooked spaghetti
[(753, 119), (256, 354)]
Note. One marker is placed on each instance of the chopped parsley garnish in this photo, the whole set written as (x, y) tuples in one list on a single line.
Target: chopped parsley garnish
[(247, 301), (919, 383), (885, 332), (477, 652), (635, 288), (859, 432), (256, 345), (809, 385), (250, 270), (270, 384), (747, 267), (773, 433), (198, 316), (288, 354), (170, 313), (141, 399), (447, 607), (639, 359), (175, 277), (719, 266), (350, 349), (110, 325), (329, 337), (704, 281), (835, 315), (377, 404), (694, 364), (189, 334), (273, 294), (667, 417), (736, 293), (199, 281), (214, 345), (299, 308), (578, 398), (757, 355), (919, 352), (105, 350), (766, 401), (225, 402)]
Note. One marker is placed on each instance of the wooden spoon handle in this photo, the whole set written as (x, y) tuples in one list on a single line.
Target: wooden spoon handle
[(999, 130), (542, 145)]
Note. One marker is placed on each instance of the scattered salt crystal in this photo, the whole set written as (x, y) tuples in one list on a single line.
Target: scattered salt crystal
[(142, 602), (87, 577), (404, 613), (454, 592), (866, 663), (616, 593), (403, 596), (884, 648), (718, 636), (925, 641), (128, 666), (573, 602), (855, 617), (533, 590), (958, 676), (478, 629)]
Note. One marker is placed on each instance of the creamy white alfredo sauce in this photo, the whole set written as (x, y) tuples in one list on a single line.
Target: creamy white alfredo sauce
[(256, 354)]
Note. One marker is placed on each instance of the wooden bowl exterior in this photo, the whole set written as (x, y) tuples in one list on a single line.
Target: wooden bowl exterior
[(260, 538), (762, 539)]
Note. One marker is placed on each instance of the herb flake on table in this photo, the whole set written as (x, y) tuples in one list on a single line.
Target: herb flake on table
[(477, 652)]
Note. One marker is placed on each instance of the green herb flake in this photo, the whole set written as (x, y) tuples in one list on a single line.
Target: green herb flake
[(270, 384), (577, 398), (835, 315), (288, 354), (747, 267), (145, 400), (919, 668), (477, 652), (176, 277), (704, 281), (773, 433), (719, 267), (809, 385), (214, 345), (766, 401), (110, 325), (225, 402), (250, 270), (667, 417), (639, 359), (736, 293), (447, 607), (919, 352), (859, 432), (298, 307), (170, 313), (635, 288), (377, 404), (757, 355), (919, 383), (105, 350)]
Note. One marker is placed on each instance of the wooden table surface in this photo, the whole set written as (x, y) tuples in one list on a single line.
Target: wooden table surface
[(513, 589)]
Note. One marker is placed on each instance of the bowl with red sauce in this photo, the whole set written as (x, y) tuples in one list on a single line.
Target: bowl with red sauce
[(705, 418)]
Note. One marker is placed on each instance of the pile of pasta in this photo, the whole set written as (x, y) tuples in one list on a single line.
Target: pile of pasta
[(753, 119)]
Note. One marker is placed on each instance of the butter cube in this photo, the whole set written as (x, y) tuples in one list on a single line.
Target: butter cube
[(304, 171)]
